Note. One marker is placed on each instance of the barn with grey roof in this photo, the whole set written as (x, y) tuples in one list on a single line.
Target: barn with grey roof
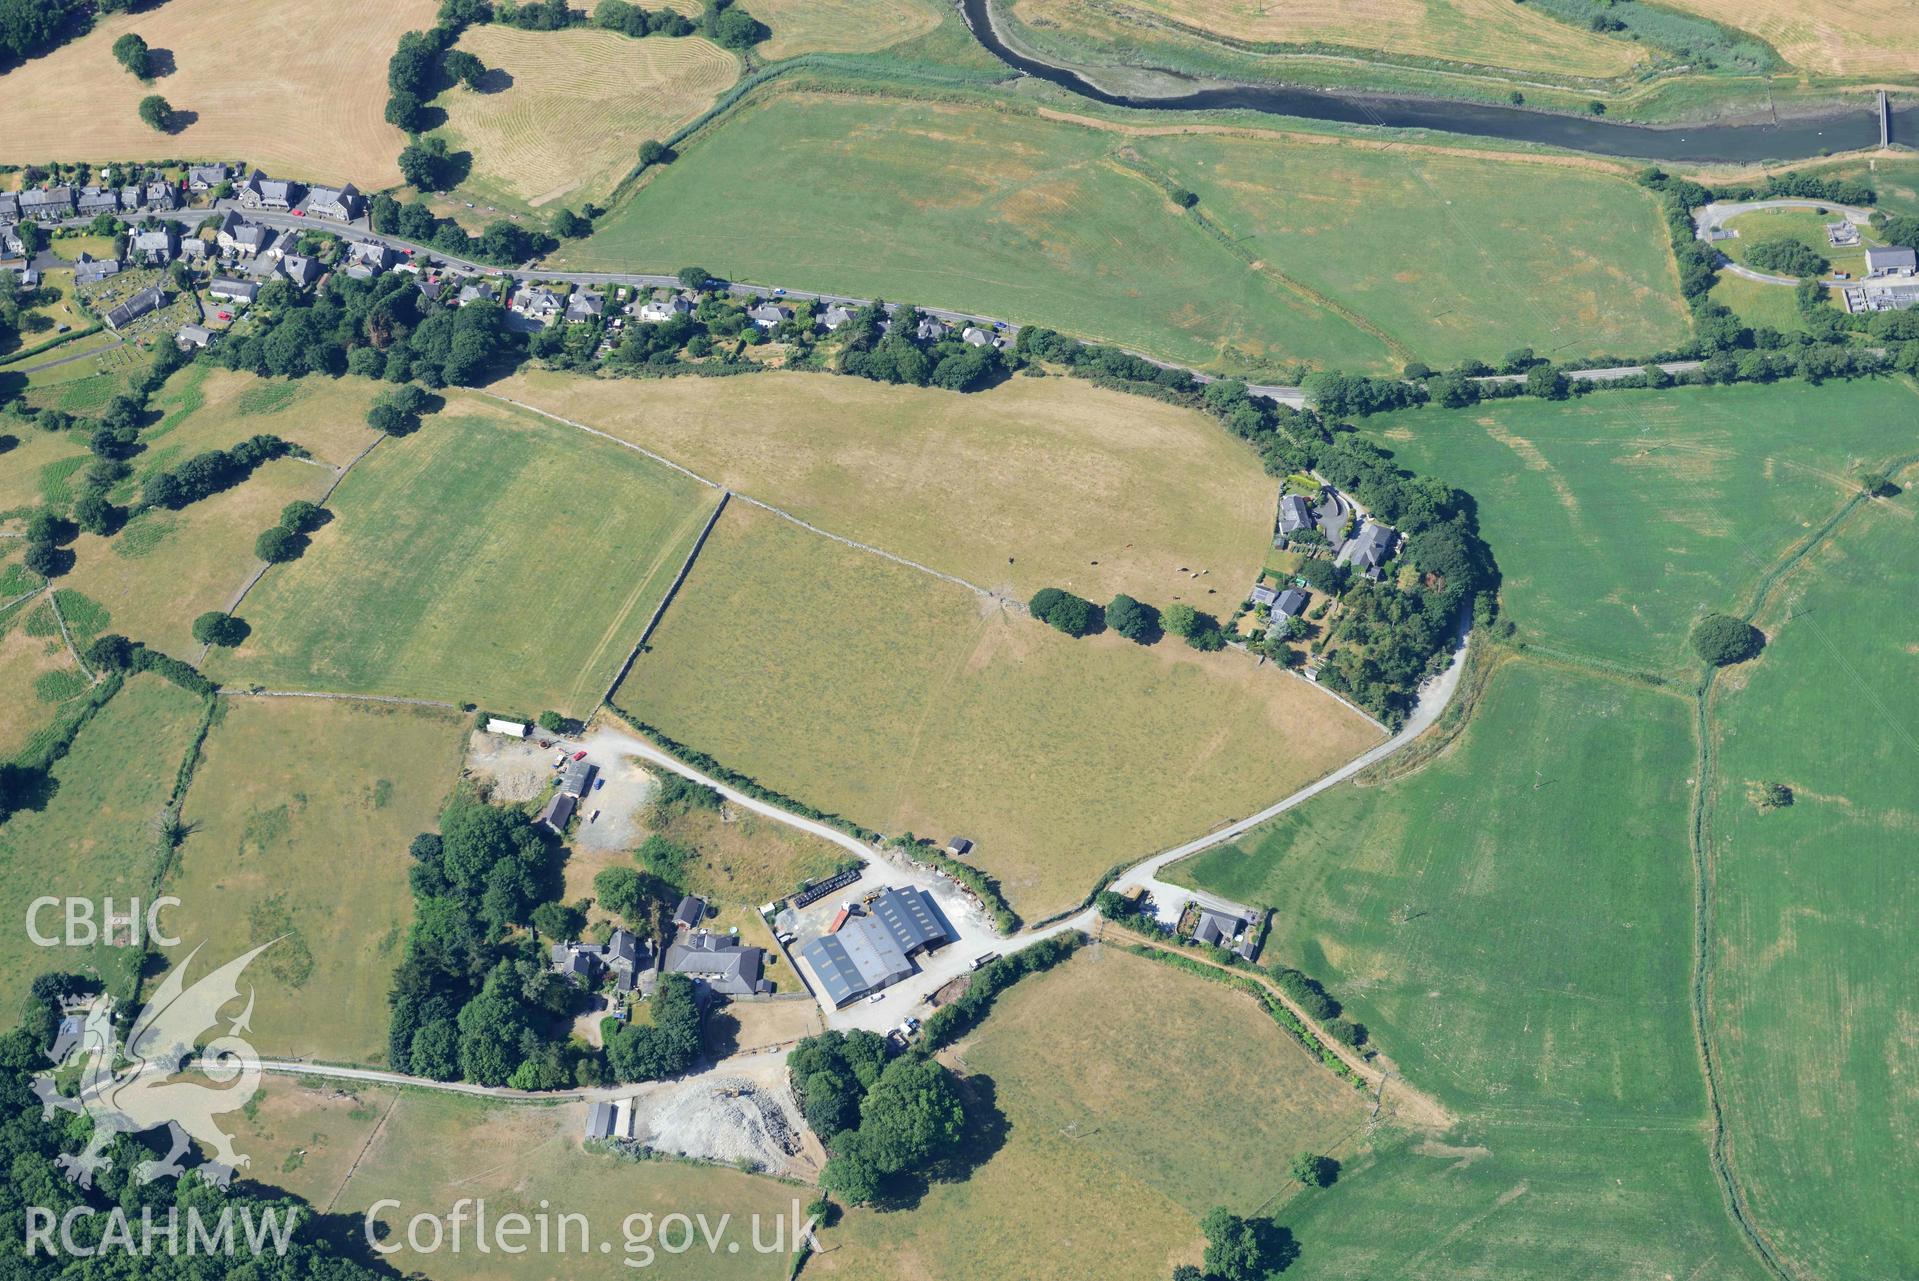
[(875, 951)]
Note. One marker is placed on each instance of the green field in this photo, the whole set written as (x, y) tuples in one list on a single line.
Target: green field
[(1126, 1120), (98, 832), (428, 1151), (1049, 221), (492, 556), (1448, 255), (966, 207), (1757, 303), (37, 670), (910, 704), (1040, 482), (1813, 972), (1513, 924), (299, 818), (1619, 518), (1807, 226)]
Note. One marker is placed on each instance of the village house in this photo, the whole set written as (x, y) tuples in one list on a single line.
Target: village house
[(93, 201), (370, 255), (1290, 603), (835, 315), (232, 289), (475, 291), (622, 956), (161, 196), (768, 316), (1262, 596), (49, 204), (1295, 514), (206, 177), (238, 236), (262, 192), (9, 207), (196, 248), (1237, 932), (131, 199), (154, 248), (538, 304), (91, 271), (662, 306), (301, 269), (690, 912), (192, 336), (135, 307), (1369, 549), (930, 329), (339, 204), (718, 963), (584, 306), (974, 336), (431, 287), (11, 245)]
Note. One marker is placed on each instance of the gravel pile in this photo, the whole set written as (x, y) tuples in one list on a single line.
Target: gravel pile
[(727, 1119)]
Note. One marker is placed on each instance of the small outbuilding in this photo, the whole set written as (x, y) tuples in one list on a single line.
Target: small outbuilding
[(512, 729)]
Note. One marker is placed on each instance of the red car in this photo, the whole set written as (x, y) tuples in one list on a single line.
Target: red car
[(579, 756), (225, 315)]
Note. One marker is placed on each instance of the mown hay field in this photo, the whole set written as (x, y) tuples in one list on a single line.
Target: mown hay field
[(1513, 924), (165, 568), (969, 207), (261, 82), (493, 557), (1813, 975), (1828, 37), (841, 26), (1137, 1097), (96, 834), (427, 1150), (1620, 518), (37, 670), (910, 704), (564, 113), (298, 822), (1490, 33), (38, 470), (1035, 483), (1449, 255)]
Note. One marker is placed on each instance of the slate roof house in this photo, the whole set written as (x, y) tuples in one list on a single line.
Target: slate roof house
[(1263, 596), (340, 204), (1891, 261), (559, 810), (91, 271), (262, 192), (585, 963), (370, 253), (11, 246), (1291, 603), (1236, 933), (835, 316), (537, 304), (242, 237), (584, 306), (974, 336), (1295, 514), (1369, 549), (718, 963), (689, 913), (659, 308), (96, 200), (130, 198), (47, 204), (161, 195), (9, 207), (768, 315), (578, 778), (135, 307), (230, 288), (930, 329), (474, 291), (301, 269), (206, 177), (872, 952), (192, 336)]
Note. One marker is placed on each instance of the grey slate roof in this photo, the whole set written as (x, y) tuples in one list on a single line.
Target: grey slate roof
[(200, 177), (835, 316), (1291, 603), (299, 268), (1295, 514), (371, 252), (339, 203), (584, 306), (1370, 547), (600, 1118), (1263, 595), (720, 963), (87, 273), (1893, 258), (193, 336), (578, 778), (767, 315), (559, 810), (229, 287), (1221, 928), (135, 307), (691, 911)]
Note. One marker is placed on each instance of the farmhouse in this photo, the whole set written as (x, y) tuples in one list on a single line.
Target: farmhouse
[(1891, 261), (262, 192), (154, 248), (49, 204), (340, 204), (235, 290), (584, 306), (192, 336), (1238, 932), (206, 177), (1369, 549), (870, 953), (135, 307), (661, 307), (585, 963), (718, 963)]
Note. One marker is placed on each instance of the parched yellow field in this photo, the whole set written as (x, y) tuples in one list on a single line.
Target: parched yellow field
[(1837, 37), (907, 703), (1493, 33), (1038, 482), (841, 26), (298, 91), (580, 104), (298, 822)]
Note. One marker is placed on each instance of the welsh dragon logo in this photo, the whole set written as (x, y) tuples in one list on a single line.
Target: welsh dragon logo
[(144, 1087)]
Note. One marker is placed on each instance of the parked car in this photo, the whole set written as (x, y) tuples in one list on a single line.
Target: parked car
[(580, 755), (876, 998)]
